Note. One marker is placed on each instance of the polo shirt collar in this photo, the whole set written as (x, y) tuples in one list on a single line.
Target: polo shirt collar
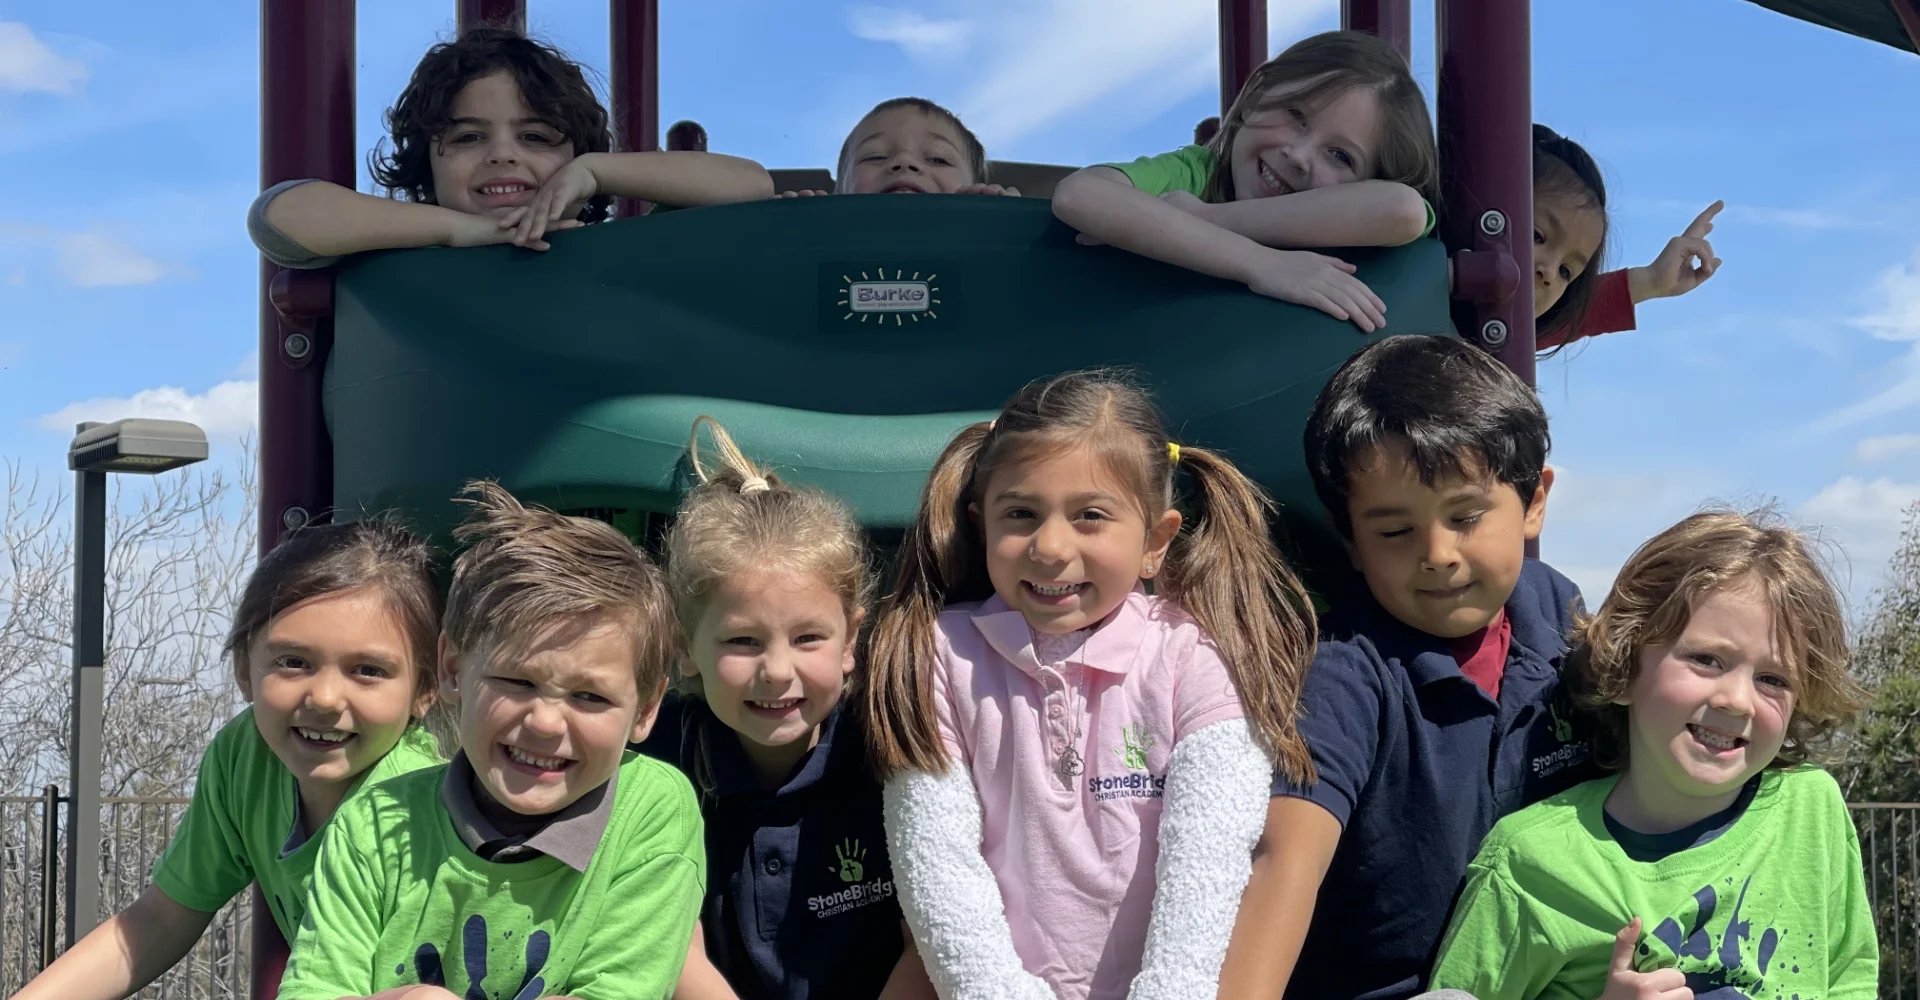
[(1429, 658), (733, 773), (1113, 647), (569, 836)]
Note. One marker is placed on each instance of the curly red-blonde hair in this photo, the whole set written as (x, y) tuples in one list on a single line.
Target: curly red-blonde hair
[(1663, 582)]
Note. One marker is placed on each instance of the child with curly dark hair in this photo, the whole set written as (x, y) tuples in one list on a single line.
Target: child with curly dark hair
[(1717, 668), (497, 139)]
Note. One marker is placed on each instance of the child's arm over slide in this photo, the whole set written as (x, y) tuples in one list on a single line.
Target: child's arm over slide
[(1289, 863), (310, 224), (121, 956), (1361, 214), (948, 893), (1103, 204), (680, 178), (1216, 804)]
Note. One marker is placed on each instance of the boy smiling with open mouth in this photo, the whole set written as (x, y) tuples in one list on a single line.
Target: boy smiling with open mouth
[(544, 860)]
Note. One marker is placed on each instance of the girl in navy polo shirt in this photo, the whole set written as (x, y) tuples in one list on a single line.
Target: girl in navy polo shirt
[(771, 583)]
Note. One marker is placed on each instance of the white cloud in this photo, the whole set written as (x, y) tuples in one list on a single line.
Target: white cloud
[(1864, 518), (96, 260), (1596, 519), (27, 65), (227, 410), (1134, 59), (18, 279), (914, 32), (1897, 320), (1885, 446)]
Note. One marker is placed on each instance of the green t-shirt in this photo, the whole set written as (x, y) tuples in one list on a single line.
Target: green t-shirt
[(1189, 169), (399, 900), (245, 806), (1774, 907)]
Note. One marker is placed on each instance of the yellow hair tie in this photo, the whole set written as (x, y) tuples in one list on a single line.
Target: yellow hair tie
[(1173, 453)]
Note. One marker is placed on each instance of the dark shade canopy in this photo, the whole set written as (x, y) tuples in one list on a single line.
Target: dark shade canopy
[(1875, 20)]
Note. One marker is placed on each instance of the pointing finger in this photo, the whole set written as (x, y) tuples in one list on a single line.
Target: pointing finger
[(1703, 223)]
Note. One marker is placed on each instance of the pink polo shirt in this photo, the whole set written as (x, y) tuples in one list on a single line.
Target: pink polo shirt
[(1070, 760)]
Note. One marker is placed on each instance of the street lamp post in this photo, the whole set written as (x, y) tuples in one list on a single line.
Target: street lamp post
[(138, 446)]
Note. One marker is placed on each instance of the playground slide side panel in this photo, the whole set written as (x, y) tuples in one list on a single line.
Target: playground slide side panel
[(844, 340)]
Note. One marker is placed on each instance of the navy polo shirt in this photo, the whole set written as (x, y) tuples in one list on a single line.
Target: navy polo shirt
[(800, 899), (1416, 762)]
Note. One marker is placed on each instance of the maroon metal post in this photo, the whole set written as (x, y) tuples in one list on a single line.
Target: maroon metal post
[(269, 950), (636, 82), (496, 13), (306, 130), (1486, 160), (1243, 45), (1389, 19)]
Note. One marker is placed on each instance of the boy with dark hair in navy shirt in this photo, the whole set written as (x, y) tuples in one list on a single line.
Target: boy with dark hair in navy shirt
[(1433, 706)]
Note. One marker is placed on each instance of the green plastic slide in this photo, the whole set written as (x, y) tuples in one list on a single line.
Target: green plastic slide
[(842, 339)]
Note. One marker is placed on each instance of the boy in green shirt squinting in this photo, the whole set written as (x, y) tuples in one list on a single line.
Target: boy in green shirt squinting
[(545, 860)]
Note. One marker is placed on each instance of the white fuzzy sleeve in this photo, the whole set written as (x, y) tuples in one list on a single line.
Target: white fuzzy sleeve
[(1218, 783), (948, 893)]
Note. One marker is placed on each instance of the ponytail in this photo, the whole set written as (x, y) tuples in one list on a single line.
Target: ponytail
[(1227, 574), (940, 560), (741, 518)]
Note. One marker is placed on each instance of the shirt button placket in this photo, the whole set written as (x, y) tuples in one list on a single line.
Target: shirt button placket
[(1057, 728)]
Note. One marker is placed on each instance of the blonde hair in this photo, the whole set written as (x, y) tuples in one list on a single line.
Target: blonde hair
[(527, 570), (1222, 568), (1669, 576), (742, 518), (1324, 66), (969, 143)]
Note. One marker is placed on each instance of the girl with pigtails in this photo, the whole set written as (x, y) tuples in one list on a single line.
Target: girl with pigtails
[(1077, 698)]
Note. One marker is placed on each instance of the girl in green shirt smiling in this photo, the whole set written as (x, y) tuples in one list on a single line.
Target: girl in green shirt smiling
[(333, 647)]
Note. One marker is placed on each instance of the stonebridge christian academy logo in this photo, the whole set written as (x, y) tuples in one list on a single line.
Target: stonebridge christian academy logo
[(850, 866), (1137, 782), (903, 296)]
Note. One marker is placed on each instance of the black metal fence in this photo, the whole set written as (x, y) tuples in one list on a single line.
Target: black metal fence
[(1890, 851), (134, 831)]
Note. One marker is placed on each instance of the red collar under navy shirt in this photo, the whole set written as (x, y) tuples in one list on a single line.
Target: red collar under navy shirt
[(1483, 655)]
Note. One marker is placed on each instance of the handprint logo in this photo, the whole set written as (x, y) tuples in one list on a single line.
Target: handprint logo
[(851, 856), (1562, 728), (1134, 753)]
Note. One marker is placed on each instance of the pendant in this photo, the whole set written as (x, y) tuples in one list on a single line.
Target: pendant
[(1069, 765)]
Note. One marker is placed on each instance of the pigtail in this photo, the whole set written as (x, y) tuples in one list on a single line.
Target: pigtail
[(1226, 573), (939, 559)]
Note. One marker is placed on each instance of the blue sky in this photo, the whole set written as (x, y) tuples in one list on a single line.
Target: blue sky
[(129, 143)]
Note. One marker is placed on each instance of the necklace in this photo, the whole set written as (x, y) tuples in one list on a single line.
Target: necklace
[(1049, 651)]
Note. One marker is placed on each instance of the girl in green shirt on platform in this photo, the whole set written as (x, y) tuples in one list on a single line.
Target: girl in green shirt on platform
[(1328, 145), (333, 647), (1718, 863)]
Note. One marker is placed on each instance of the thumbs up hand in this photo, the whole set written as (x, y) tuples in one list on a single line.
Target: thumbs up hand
[(1625, 984)]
